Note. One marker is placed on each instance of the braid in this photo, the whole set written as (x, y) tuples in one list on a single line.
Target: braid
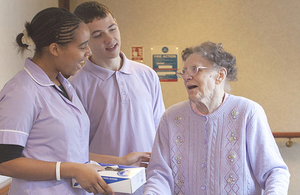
[(51, 25)]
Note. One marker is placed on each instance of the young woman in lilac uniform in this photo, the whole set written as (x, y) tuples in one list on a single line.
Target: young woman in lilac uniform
[(44, 129)]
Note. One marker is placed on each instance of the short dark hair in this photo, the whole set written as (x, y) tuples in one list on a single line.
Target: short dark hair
[(90, 10), (51, 25), (214, 53)]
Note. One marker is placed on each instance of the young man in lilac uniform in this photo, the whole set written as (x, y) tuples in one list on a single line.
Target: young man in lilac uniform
[(122, 98)]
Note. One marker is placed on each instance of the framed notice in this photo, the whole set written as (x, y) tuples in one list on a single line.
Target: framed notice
[(165, 62), (137, 53)]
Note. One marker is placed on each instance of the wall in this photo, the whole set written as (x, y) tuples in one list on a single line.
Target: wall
[(14, 14), (263, 35)]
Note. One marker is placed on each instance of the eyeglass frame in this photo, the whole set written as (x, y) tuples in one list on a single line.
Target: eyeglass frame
[(180, 72)]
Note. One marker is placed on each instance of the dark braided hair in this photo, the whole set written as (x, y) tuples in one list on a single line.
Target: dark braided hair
[(214, 53), (51, 25)]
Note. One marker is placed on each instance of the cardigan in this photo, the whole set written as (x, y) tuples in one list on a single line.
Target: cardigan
[(230, 151)]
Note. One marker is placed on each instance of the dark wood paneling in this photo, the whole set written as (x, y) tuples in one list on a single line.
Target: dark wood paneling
[(64, 4)]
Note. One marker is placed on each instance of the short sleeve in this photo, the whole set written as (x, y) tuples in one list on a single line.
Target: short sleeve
[(16, 115)]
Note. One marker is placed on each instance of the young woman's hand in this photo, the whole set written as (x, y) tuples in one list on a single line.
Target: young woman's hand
[(89, 179)]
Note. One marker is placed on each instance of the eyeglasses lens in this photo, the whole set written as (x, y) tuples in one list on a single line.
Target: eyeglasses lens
[(191, 70)]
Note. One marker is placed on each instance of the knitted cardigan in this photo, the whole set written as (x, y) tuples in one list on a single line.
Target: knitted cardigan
[(230, 151)]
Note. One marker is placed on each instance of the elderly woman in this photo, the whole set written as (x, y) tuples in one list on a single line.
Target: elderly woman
[(215, 143)]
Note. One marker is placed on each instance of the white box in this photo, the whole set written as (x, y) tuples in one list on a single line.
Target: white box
[(124, 179)]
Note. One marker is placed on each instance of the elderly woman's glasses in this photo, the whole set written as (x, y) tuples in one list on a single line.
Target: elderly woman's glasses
[(191, 70)]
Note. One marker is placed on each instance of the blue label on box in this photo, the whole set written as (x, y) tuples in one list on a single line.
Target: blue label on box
[(110, 180), (119, 166), (124, 173)]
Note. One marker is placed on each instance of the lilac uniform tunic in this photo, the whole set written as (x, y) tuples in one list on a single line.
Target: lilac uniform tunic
[(50, 127), (230, 151), (124, 107)]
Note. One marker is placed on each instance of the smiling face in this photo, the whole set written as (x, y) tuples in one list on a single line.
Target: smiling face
[(202, 86), (105, 41), (73, 54)]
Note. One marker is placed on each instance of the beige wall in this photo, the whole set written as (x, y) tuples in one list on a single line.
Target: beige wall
[(263, 35), (13, 15)]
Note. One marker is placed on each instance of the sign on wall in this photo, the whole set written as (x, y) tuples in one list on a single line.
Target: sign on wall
[(137, 53), (165, 62)]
